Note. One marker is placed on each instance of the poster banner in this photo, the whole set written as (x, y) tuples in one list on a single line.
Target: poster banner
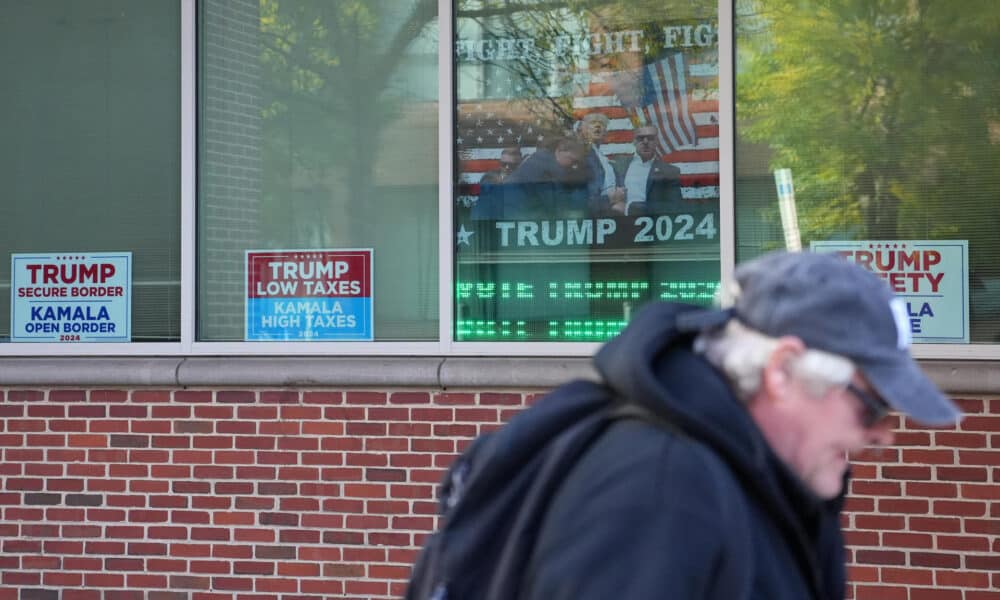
[(586, 162), (607, 83), (309, 295), (78, 297), (931, 276), (673, 230)]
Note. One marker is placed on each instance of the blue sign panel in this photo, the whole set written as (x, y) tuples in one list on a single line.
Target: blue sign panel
[(71, 297)]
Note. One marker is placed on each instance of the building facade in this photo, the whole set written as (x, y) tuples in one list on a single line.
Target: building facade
[(274, 263)]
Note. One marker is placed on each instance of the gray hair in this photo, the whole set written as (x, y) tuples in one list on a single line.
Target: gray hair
[(741, 354)]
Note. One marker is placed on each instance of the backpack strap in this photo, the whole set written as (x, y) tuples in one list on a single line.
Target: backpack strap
[(625, 409)]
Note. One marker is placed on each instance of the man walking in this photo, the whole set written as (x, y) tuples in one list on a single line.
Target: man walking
[(739, 498)]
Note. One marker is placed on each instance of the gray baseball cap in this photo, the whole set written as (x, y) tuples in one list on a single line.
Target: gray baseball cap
[(834, 305)]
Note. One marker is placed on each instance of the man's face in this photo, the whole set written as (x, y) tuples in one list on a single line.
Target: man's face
[(567, 156), (594, 130), (645, 143), (508, 162), (822, 431), (813, 431)]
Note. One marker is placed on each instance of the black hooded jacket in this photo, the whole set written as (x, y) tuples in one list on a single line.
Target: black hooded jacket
[(705, 512)]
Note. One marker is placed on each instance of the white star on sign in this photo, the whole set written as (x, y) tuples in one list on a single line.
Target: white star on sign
[(464, 235)]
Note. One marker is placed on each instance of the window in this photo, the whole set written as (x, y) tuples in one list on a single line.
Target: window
[(587, 165), (584, 161), (873, 129), (90, 157), (318, 132)]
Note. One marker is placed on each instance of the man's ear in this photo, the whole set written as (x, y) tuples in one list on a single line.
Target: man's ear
[(776, 376)]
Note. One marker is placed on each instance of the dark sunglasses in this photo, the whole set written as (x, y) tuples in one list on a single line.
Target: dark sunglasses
[(875, 408), (645, 138)]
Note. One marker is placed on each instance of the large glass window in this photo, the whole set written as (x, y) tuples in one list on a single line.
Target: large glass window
[(587, 164), (90, 149), (318, 134), (873, 129)]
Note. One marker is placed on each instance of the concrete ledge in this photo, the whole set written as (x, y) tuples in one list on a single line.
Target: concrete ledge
[(117, 371), (506, 372), (283, 371), (955, 377), (964, 377)]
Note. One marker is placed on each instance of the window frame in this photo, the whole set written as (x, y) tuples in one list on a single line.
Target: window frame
[(444, 345)]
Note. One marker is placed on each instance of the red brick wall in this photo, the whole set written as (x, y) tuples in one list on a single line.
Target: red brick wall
[(276, 494), (923, 518)]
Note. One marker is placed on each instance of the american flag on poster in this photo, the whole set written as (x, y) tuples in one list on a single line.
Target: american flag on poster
[(657, 96), (679, 97)]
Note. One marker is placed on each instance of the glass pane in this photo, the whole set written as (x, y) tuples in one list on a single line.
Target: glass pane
[(318, 131), (880, 121), (90, 151), (588, 168)]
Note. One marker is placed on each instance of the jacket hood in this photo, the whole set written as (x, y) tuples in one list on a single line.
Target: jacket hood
[(651, 363)]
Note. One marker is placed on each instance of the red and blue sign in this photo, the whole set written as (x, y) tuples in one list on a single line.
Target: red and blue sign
[(930, 276), (309, 295)]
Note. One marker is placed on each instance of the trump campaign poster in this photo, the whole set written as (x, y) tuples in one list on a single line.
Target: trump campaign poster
[(71, 297), (932, 277), (309, 295)]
